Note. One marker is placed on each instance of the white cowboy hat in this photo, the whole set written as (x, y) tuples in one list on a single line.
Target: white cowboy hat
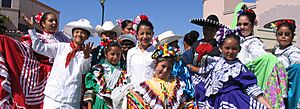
[(167, 37), (108, 26), (81, 23), (129, 37)]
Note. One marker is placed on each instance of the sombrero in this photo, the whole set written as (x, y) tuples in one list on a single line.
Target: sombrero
[(211, 20), (108, 26), (167, 37), (81, 23)]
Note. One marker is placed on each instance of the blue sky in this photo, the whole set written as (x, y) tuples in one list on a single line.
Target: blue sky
[(164, 14)]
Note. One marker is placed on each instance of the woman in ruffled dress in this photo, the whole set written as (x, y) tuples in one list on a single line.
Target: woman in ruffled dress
[(270, 73), (289, 54), (24, 67)]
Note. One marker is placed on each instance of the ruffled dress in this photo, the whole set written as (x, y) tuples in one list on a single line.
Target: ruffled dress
[(100, 82), (228, 84), (157, 94)]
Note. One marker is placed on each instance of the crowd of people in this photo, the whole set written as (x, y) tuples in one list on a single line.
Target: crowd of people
[(132, 69)]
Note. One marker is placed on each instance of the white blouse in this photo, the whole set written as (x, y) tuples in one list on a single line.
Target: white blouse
[(252, 48), (140, 65), (64, 83), (288, 56)]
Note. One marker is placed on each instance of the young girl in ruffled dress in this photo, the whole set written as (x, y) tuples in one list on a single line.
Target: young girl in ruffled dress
[(228, 82), (104, 78), (289, 55), (163, 91)]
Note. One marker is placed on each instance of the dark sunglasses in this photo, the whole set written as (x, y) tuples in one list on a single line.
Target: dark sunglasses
[(244, 24), (283, 33)]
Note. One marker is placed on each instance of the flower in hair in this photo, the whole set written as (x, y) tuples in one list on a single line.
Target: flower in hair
[(38, 18), (166, 51), (119, 22), (222, 33), (244, 11), (138, 19), (105, 41), (275, 25)]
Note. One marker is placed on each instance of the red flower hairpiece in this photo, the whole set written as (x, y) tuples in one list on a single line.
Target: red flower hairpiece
[(144, 18), (284, 21), (138, 19), (38, 17)]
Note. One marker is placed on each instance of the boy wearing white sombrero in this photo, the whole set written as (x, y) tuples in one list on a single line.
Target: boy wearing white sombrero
[(107, 32), (71, 60)]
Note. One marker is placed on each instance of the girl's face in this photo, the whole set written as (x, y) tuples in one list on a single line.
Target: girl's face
[(80, 36), (163, 70), (128, 29), (145, 35), (245, 25), (284, 36), (50, 24), (230, 48), (113, 56)]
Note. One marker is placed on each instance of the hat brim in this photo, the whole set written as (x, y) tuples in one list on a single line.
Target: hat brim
[(170, 39), (206, 22), (116, 29)]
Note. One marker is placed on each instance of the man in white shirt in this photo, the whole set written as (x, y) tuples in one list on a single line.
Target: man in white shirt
[(71, 60)]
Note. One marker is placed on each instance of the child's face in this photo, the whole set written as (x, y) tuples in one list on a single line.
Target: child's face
[(145, 35), (114, 55), (111, 34), (80, 36), (230, 48), (284, 36), (245, 25), (163, 70), (128, 29)]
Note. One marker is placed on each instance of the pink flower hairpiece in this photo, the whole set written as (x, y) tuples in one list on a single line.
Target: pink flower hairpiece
[(138, 19), (119, 22)]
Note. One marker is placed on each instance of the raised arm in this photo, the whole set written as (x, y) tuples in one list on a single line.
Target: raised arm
[(44, 49)]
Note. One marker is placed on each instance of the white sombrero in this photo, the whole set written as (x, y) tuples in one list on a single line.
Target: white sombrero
[(81, 23), (167, 37), (108, 26)]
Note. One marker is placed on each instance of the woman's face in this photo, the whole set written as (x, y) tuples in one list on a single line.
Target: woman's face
[(284, 36), (163, 70), (245, 25), (145, 35), (230, 48), (50, 24), (128, 29)]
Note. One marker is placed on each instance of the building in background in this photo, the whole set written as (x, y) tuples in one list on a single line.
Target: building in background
[(266, 11), (13, 9)]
